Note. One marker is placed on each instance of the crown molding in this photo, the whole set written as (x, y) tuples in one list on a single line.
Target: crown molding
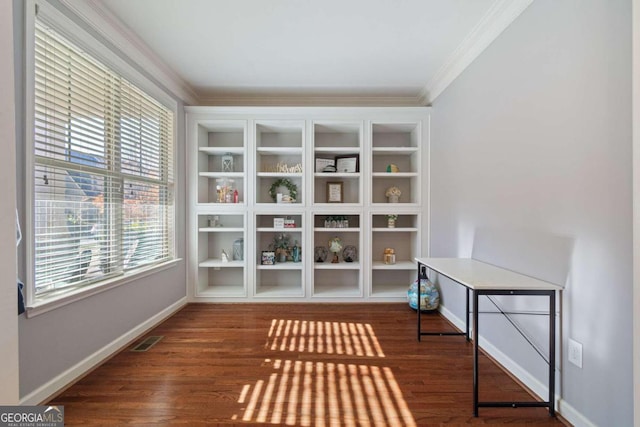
[(302, 99), (501, 14), (105, 23)]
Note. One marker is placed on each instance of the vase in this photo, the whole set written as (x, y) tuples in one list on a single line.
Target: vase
[(394, 199), (238, 249), (391, 223), (429, 295)]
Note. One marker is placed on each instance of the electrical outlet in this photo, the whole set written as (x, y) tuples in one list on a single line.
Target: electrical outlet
[(575, 353)]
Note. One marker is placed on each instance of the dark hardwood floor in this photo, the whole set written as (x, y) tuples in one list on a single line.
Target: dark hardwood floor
[(299, 365)]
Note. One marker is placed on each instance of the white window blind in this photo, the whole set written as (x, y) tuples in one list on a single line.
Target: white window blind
[(103, 176)]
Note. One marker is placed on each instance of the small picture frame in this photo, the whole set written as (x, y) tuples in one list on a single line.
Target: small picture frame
[(268, 258), (335, 192), (349, 163), (322, 163)]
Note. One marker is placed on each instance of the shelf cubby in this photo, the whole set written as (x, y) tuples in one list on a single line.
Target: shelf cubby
[(219, 232), (336, 283), (395, 162), (388, 284), (280, 275), (279, 154), (404, 239), (342, 278), (217, 139), (330, 141)]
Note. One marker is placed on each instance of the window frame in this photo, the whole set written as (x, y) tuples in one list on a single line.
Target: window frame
[(97, 49)]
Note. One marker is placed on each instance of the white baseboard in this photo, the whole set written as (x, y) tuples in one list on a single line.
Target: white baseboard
[(563, 408), (570, 414), (49, 389)]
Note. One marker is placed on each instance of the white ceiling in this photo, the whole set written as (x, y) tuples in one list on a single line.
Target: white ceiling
[(225, 49)]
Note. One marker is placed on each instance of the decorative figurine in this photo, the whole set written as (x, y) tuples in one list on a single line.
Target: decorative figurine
[(335, 246), (296, 252), (227, 163), (350, 253), (393, 194), (389, 256), (320, 253)]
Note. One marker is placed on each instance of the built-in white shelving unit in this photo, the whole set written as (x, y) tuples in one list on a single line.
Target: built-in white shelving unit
[(241, 158)]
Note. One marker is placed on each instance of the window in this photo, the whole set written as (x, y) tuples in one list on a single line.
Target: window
[(102, 155)]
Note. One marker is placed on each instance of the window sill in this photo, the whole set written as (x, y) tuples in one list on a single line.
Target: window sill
[(48, 304)]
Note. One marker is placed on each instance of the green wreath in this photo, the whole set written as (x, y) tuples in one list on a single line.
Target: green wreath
[(283, 182)]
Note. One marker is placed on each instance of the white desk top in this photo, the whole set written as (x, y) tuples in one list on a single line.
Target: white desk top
[(482, 276)]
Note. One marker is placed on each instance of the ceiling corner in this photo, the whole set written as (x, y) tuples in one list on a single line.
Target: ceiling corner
[(501, 14), (101, 20)]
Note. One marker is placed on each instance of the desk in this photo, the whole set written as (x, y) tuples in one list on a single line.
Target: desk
[(486, 279)]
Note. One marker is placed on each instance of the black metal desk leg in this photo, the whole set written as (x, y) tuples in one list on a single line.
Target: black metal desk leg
[(552, 352), (475, 353), (467, 336)]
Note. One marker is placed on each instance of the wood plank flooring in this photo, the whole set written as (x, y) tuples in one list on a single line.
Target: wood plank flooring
[(298, 365)]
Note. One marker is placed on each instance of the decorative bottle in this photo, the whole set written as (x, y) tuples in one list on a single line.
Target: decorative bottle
[(296, 252)]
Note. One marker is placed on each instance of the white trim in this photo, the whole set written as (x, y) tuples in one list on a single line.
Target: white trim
[(49, 389), (635, 123), (567, 411), (501, 14), (570, 414), (278, 99), (101, 20), (54, 302)]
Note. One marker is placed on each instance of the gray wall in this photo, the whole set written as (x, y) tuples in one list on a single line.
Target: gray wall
[(535, 138), (8, 271), (56, 341)]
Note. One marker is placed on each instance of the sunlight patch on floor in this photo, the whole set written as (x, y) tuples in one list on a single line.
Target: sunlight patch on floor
[(321, 393), (352, 339), (311, 393)]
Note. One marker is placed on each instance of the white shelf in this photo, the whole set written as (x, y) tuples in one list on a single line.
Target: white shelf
[(336, 291), (338, 205), (337, 230), (221, 150), (224, 291), (395, 150), (281, 266), (279, 174), (342, 265), (278, 230), (354, 150), (221, 174), (217, 263), (221, 230), (277, 291), (399, 265), (394, 174), (337, 174), (390, 291), (279, 150), (394, 230)]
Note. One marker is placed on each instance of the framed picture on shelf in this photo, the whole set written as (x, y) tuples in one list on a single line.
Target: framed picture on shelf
[(348, 163), (268, 258), (322, 163), (334, 192)]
